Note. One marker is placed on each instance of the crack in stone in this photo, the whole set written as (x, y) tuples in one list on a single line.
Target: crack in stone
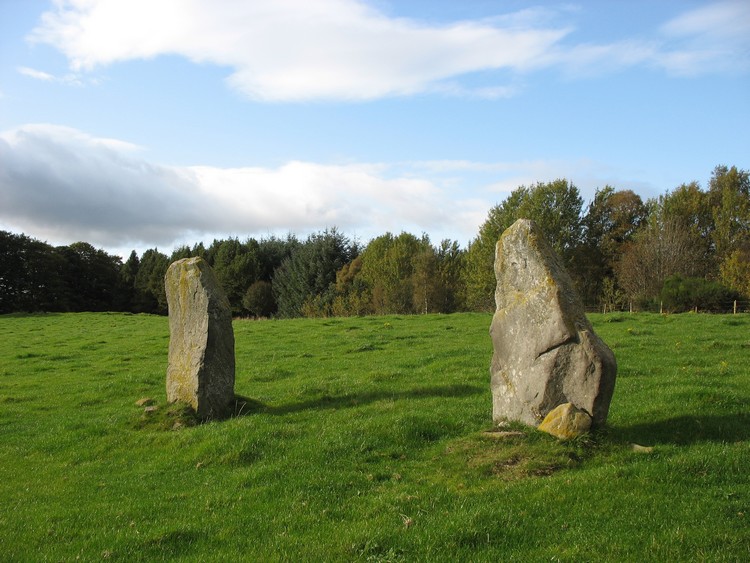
[(573, 339)]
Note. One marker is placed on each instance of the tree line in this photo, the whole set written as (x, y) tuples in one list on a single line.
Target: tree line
[(687, 248)]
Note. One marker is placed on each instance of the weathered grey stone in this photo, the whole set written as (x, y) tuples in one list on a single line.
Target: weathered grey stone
[(201, 342), (545, 351), (566, 421)]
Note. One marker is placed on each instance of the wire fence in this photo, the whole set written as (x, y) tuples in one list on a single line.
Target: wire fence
[(735, 307)]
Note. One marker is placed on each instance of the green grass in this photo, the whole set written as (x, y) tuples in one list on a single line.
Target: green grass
[(362, 440)]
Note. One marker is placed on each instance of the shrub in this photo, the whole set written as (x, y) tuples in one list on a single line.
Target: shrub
[(681, 294), (259, 300)]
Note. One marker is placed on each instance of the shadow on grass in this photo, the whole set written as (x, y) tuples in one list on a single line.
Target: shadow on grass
[(686, 430), (246, 406)]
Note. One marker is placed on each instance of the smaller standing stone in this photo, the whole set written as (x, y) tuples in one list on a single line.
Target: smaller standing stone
[(201, 343)]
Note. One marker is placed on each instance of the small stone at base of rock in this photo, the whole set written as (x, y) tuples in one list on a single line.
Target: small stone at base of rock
[(642, 449), (144, 402), (566, 421)]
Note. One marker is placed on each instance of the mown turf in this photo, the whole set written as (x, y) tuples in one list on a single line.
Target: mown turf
[(362, 439)]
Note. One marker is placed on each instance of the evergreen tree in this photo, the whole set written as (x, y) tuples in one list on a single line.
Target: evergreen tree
[(236, 266), (92, 278), (308, 275), (451, 260), (29, 275), (150, 293)]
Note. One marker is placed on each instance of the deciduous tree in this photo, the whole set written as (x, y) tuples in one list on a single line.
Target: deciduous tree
[(555, 206), (397, 270), (659, 250), (729, 193)]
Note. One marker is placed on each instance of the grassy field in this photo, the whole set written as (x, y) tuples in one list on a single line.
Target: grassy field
[(362, 440)]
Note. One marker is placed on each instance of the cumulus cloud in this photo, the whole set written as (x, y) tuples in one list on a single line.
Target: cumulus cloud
[(291, 50), (296, 49), (62, 184)]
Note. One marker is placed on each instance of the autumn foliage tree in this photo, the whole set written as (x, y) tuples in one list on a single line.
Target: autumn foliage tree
[(610, 224), (659, 250), (692, 234)]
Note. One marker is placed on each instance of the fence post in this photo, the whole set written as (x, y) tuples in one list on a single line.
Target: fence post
[(661, 307), (734, 309)]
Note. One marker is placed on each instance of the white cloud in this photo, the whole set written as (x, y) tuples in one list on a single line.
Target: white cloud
[(296, 49), (291, 50), (71, 79), (63, 185), (710, 39), (586, 174), (36, 74), (715, 37), (718, 21), (59, 183)]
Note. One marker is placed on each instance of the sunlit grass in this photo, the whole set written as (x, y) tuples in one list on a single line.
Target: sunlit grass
[(364, 439)]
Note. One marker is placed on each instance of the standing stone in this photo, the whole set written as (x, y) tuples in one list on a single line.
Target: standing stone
[(201, 341), (545, 350)]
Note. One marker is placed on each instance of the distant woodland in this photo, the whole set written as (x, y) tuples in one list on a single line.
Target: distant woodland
[(688, 248)]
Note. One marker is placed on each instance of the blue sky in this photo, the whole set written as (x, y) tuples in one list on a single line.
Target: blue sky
[(134, 124)]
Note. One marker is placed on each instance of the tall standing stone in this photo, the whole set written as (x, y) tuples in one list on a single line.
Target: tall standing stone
[(545, 351), (201, 339)]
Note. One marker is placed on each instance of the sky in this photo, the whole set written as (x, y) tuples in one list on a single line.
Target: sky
[(136, 124)]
